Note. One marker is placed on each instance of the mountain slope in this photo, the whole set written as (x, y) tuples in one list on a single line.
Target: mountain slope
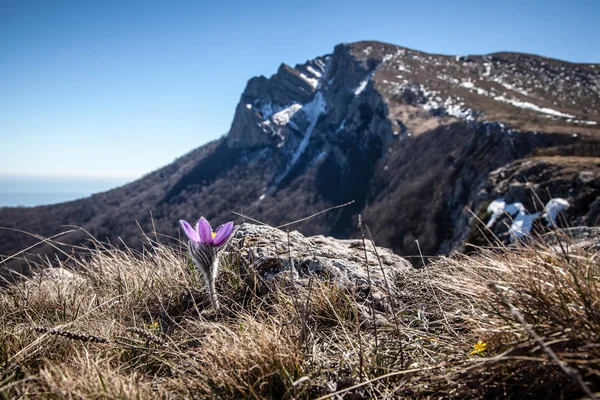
[(410, 137)]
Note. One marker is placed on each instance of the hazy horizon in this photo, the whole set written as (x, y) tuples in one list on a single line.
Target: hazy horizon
[(32, 190)]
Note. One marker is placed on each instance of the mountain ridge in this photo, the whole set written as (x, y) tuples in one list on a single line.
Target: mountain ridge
[(341, 127)]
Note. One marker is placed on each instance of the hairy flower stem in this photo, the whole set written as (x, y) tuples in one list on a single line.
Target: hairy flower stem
[(207, 262), (212, 290)]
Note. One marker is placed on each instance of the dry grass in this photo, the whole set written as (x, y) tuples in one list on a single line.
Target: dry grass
[(129, 325)]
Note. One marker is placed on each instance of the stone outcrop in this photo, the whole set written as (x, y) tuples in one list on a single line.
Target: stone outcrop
[(276, 256)]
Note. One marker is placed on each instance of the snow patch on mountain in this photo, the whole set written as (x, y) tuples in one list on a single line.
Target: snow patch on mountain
[(314, 71), (511, 87), (530, 106), (311, 81), (312, 111), (582, 121), (363, 84), (284, 116)]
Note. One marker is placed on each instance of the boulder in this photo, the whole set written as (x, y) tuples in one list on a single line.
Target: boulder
[(276, 255)]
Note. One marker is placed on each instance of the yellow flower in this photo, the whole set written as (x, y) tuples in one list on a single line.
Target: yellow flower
[(153, 325), (479, 348)]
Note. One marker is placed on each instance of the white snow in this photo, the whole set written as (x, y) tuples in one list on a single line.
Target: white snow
[(311, 81), (581, 121), (514, 209), (249, 106), (313, 71), (455, 110), (521, 225), (471, 86), (499, 207), (496, 208), (363, 84), (284, 116), (320, 156), (553, 207), (533, 107), (488, 69), (341, 127), (511, 87), (262, 196), (266, 110), (522, 220), (313, 111)]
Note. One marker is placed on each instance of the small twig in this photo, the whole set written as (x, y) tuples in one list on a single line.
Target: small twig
[(296, 300), (391, 299), (434, 294), (154, 227), (251, 219), (314, 215), (41, 239), (362, 234)]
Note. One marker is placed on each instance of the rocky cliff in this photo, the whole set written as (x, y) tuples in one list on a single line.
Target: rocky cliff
[(409, 137)]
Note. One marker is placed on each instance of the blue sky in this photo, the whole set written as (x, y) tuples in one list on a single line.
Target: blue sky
[(119, 88)]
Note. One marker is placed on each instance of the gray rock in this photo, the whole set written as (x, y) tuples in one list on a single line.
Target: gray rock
[(265, 250)]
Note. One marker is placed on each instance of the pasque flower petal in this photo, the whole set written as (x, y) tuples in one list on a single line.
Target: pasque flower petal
[(223, 233), (191, 233), (205, 231)]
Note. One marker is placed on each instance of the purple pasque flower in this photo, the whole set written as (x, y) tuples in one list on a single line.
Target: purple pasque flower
[(203, 234), (203, 246)]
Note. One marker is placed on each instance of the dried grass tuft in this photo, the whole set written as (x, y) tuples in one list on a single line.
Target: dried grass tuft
[(139, 325)]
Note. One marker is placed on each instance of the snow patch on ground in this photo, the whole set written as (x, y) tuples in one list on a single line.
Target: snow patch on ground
[(554, 207), (522, 221), (522, 224), (498, 207)]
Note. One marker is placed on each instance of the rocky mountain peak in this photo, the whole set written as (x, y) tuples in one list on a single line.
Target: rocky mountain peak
[(409, 137)]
